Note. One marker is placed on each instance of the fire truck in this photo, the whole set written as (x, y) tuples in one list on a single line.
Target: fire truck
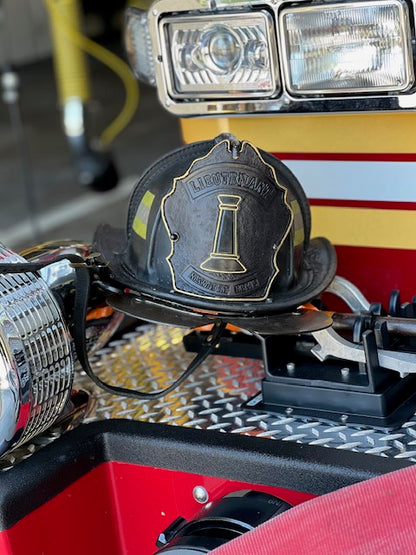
[(264, 399)]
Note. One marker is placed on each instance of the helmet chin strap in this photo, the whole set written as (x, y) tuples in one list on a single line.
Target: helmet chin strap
[(83, 268)]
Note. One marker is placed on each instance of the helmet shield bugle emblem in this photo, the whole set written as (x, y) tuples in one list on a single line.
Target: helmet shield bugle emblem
[(227, 218)]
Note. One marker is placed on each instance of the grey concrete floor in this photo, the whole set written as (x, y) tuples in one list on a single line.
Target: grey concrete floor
[(60, 207)]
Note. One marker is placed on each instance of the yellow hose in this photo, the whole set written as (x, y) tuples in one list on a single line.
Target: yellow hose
[(71, 69), (69, 61)]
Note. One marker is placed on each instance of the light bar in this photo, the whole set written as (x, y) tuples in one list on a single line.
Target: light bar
[(348, 47), (220, 56)]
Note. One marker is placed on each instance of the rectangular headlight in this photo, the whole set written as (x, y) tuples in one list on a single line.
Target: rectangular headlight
[(221, 56), (348, 47)]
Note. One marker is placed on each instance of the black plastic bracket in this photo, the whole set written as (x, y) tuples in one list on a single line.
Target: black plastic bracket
[(336, 391)]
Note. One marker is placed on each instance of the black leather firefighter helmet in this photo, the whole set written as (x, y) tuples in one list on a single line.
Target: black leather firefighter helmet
[(220, 227)]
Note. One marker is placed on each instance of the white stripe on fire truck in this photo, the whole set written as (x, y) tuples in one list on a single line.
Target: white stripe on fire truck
[(356, 180)]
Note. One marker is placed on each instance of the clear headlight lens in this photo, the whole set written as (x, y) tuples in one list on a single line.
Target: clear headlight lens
[(228, 55), (351, 47)]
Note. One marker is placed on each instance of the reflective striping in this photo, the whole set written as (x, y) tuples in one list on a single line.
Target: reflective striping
[(142, 215), (295, 207), (365, 227), (140, 228), (378, 181), (299, 235), (358, 145)]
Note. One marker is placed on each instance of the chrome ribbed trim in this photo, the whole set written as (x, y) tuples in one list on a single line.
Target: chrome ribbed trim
[(36, 366)]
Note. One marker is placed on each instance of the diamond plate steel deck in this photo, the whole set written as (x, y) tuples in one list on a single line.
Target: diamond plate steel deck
[(212, 397), (152, 357)]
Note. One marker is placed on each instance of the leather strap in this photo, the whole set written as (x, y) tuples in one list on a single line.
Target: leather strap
[(83, 269)]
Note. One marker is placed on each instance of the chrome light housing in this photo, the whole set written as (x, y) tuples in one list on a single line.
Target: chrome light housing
[(138, 46), (271, 56), (37, 360), (36, 364)]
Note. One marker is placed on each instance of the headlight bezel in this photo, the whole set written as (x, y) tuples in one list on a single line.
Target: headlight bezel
[(225, 20), (286, 101)]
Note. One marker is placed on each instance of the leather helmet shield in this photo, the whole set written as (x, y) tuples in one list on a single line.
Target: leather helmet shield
[(227, 218)]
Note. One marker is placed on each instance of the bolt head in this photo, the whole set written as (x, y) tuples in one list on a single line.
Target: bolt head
[(200, 494)]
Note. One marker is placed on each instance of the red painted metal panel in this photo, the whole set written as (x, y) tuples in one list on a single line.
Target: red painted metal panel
[(5, 547), (80, 520), (377, 271), (118, 508)]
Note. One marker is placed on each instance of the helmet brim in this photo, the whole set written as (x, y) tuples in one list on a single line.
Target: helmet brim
[(287, 323), (317, 271)]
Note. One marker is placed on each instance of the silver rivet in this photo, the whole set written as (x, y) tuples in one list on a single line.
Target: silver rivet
[(345, 371), (200, 494), (289, 410), (344, 418), (290, 366)]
